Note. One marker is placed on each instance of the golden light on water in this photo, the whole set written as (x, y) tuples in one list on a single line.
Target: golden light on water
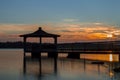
[(110, 57), (111, 74), (101, 57)]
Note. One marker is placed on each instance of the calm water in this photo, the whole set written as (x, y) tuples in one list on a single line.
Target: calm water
[(12, 67)]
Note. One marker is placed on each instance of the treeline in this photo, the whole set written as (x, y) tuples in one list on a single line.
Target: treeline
[(106, 45), (15, 44), (11, 45)]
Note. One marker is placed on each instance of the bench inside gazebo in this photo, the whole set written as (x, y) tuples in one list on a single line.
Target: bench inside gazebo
[(37, 49)]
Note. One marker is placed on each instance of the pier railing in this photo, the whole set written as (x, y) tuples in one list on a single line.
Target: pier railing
[(71, 48)]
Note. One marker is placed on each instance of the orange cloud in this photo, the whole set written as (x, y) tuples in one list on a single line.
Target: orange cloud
[(69, 32), (16, 28)]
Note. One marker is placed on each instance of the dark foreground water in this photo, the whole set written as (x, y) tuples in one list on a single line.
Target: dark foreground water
[(12, 67)]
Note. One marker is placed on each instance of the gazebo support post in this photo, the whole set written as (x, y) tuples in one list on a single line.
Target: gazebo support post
[(56, 55), (36, 50), (40, 40), (40, 45), (55, 42), (53, 53), (24, 43), (40, 65)]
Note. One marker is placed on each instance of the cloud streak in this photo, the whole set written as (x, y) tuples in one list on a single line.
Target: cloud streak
[(70, 20), (69, 32), (16, 28)]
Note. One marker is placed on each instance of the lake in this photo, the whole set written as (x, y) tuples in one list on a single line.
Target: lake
[(13, 67)]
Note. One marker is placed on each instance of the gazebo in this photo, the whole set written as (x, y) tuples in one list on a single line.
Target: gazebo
[(36, 50)]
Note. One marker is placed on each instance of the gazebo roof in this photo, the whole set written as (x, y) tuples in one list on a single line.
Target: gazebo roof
[(39, 33)]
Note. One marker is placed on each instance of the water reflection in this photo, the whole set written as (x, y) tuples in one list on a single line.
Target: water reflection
[(67, 69), (110, 57), (101, 57), (14, 67), (38, 67)]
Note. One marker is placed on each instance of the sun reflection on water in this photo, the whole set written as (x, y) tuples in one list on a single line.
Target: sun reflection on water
[(101, 57), (111, 74), (111, 57)]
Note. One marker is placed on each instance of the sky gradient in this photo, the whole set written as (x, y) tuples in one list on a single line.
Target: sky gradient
[(74, 20)]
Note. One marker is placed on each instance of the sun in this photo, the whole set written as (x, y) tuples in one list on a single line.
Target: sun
[(109, 35)]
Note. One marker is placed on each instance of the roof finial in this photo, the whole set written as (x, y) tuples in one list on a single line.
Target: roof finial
[(39, 28)]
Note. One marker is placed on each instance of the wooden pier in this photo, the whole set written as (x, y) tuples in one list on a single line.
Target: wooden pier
[(53, 49), (73, 53)]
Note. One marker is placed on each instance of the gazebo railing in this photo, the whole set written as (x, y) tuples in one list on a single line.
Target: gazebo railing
[(41, 48)]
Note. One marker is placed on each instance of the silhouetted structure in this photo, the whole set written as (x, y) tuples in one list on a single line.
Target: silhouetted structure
[(73, 50), (38, 48)]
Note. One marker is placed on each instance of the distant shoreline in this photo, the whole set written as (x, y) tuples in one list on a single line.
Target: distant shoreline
[(11, 48), (107, 45)]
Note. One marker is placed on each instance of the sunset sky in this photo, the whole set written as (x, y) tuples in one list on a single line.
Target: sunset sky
[(74, 20)]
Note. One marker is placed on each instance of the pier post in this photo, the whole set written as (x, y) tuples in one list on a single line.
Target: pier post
[(35, 55), (84, 64), (55, 64), (40, 65), (74, 55), (119, 57), (24, 65), (52, 54)]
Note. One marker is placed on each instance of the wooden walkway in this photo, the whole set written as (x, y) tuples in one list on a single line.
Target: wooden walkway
[(64, 51), (72, 52)]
